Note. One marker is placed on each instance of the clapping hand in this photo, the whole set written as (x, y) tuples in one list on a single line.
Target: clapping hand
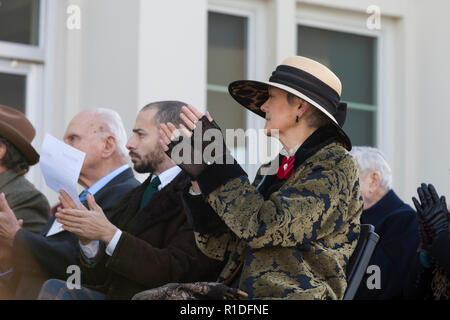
[(9, 225), (198, 133), (432, 211), (88, 225), (170, 134)]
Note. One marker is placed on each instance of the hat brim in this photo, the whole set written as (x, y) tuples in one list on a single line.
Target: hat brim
[(253, 94), (19, 141)]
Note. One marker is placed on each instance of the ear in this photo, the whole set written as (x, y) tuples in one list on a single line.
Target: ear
[(375, 181), (2, 151), (303, 108), (109, 146)]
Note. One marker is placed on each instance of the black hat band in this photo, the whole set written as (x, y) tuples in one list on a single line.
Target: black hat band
[(309, 85)]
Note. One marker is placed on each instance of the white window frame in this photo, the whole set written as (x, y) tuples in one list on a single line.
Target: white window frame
[(29, 61), (254, 12)]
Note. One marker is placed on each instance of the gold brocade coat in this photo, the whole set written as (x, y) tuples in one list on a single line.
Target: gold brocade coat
[(297, 243)]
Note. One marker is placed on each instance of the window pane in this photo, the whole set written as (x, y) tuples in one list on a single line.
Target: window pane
[(12, 91), (227, 62), (360, 127), (226, 111), (352, 57), (19, 21), (227, 48)]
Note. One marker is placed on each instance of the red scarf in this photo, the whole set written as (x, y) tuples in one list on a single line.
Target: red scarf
[(287, 168)]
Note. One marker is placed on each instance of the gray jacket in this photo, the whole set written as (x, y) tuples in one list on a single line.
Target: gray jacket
[(25, 200)]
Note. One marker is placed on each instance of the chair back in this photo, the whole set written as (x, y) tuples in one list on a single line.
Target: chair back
[(360, 259)]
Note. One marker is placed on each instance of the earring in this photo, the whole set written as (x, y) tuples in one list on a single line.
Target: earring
[(299, 107)]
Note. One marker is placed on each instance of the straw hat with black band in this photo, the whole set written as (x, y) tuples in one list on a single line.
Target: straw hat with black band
[(19, 131), (304, 78)]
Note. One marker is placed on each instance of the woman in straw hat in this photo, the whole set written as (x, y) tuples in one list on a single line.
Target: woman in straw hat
[(289, 234)]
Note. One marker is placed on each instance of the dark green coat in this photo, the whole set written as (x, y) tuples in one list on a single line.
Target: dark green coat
[(25, 200)]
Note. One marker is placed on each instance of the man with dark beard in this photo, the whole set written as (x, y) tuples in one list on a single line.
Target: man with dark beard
[(148, 241)]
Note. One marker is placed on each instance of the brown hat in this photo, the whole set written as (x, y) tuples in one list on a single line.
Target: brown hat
[(304, 78), (18, 130)]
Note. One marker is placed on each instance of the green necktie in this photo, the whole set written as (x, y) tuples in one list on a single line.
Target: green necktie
[(150, 191)]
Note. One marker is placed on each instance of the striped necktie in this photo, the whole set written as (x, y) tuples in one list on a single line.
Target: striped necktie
[(150, 191)]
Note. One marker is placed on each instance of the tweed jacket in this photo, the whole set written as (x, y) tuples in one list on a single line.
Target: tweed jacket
[(292, 241), (25, 200)]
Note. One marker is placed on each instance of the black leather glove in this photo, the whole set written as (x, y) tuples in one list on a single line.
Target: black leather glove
[(432, 210), (424, 232), (193, 154), (424, 237)]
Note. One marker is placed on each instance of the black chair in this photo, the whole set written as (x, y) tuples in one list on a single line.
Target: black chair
[(360, 259)]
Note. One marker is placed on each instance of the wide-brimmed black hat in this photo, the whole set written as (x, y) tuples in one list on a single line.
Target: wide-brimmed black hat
[(304, 78)]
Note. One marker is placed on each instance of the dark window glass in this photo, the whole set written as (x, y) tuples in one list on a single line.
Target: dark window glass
[(12, 90), (353, 59), (227, 112), (19, 21), (360, 127), (227, 62), (227, 48)]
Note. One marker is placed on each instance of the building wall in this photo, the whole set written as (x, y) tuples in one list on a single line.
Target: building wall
[(432, 94), (129, 53), (172, 52)]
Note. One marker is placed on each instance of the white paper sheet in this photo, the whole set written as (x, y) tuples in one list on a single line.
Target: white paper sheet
[(61, 165)]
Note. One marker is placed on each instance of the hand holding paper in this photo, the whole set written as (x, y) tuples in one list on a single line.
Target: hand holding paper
[(61, 165)]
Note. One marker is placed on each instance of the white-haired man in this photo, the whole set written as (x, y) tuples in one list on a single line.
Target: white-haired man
[(105, 174), (394, 221)]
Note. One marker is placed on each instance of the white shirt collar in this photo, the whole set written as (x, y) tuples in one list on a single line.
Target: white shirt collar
[(167, 176), (106, 179), (291, 152)]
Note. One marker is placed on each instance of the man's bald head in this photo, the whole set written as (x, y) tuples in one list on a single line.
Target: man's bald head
[(101, 135)]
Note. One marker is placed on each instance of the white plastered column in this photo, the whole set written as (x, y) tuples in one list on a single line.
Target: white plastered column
[(173, 52)]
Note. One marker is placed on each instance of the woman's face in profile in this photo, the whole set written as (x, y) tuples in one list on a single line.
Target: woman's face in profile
[(280, 115)]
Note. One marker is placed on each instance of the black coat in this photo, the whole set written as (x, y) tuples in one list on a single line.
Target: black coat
[(157, 246), (396, 224), (38, 258), (420, 278)]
